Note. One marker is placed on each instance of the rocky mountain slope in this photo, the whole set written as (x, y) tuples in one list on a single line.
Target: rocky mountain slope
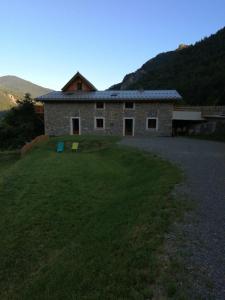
[(196, 71)]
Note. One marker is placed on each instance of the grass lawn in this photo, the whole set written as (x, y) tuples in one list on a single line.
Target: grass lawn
[(86, 225), (7, 159)]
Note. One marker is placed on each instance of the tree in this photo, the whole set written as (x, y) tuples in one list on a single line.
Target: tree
[(20, 124)]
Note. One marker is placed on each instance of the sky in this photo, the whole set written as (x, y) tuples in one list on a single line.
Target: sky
[(48, 41)]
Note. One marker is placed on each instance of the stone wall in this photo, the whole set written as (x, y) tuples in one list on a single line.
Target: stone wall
[(58, 118)]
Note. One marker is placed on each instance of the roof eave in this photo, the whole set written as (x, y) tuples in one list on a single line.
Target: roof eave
[(40, 99)]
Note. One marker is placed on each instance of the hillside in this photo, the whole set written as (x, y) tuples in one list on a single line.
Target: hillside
[(6, 100), (197, 72), (13, 88), (21, 86)]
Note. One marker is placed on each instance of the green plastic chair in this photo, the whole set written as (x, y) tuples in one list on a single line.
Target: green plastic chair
[(75, 146)]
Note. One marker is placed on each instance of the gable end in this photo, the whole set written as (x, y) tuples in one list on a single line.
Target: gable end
[(79, 83)]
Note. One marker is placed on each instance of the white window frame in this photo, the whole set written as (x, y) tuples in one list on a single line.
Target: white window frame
[(124, 125), (152, 129), (95, 123), (125, 108), (71, 125), (99, 108)]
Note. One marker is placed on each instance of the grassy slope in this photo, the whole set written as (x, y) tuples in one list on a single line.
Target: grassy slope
[(85, 225)]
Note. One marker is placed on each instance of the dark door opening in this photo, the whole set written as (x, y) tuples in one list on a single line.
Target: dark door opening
[(76, 126), (128, 123)]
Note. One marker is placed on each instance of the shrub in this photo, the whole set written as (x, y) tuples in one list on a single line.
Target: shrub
[(20, 125)]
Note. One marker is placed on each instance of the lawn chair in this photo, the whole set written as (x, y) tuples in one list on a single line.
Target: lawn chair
[(75, 146), (60, 147)]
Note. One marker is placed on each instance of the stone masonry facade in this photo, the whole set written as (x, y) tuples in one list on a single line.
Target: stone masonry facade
[(58, 118)]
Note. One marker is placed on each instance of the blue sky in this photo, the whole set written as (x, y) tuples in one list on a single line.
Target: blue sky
[(47, 41)]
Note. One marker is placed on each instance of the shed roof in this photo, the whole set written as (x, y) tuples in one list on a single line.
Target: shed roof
[(125, 95)]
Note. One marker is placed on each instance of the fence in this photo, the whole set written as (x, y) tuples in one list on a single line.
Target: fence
[(205, 110), (37, 140)]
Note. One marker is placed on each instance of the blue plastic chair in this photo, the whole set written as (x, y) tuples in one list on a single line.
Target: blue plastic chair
[(60, 147)]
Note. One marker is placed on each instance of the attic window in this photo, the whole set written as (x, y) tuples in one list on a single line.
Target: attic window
[(79, 86), (129, 105), (99, 105)]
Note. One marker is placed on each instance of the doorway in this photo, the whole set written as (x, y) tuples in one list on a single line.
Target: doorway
[(128, 127), (75, 126)]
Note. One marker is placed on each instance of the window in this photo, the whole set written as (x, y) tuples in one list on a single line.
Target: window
[(79, 86), (99, 123), (152, 123), (129, 105), (100, 105)]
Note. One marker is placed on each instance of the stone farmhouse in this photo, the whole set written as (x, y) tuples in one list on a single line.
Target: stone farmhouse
[(81, 109)]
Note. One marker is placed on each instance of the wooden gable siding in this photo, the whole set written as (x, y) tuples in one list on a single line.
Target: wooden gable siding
[(73, 86)]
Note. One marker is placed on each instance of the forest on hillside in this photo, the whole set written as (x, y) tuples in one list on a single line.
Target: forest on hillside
[(197, 72)]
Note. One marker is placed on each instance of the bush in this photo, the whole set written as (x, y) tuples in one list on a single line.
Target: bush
[(20, 125)]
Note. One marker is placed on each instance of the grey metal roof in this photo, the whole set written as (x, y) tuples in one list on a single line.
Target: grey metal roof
[(145, 95)]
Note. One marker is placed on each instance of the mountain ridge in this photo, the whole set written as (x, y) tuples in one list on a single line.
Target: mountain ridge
[(13, 88), (195, 71), (15, 83)]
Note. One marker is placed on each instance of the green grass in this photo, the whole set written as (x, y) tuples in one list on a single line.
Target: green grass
[(86, 225), (7, 159)]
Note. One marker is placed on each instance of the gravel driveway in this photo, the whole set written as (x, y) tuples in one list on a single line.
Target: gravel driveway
[(204, 165)]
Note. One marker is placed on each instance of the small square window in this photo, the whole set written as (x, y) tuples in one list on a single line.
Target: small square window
[(129, 105), (151, 123), (99, 123), (100, 105), (79, 86)]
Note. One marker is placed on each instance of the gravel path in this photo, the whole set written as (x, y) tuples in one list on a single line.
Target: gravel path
[(204, 165)]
